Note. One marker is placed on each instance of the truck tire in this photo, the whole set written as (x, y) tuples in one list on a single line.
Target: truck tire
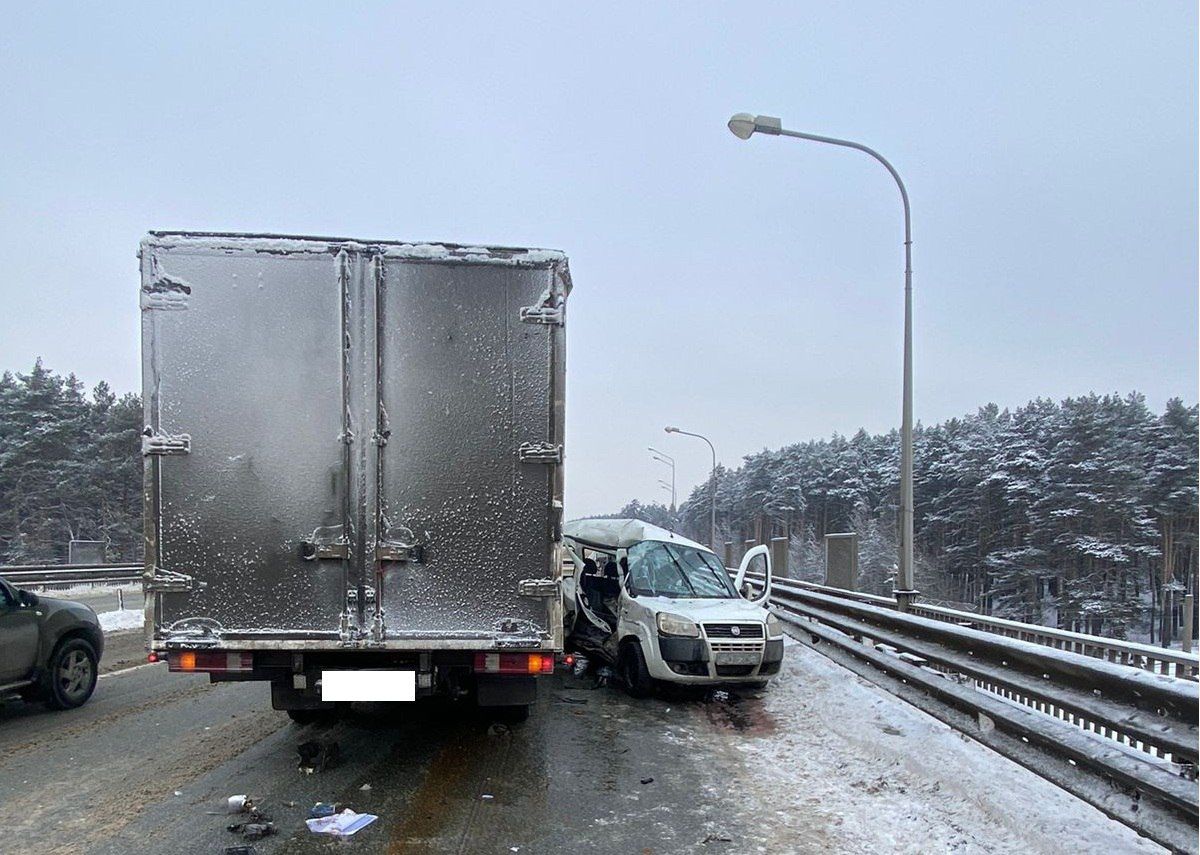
[(631, 665), (70, 675)]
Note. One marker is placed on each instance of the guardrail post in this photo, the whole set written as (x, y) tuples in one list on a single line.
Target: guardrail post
[(729, 553), (1189, 605), (779, 557)]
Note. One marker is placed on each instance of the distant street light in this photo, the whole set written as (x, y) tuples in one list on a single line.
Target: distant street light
[(743, 126), (670, 461), (712, 487)]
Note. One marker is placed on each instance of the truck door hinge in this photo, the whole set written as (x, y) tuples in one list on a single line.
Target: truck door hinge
[(170, 582), (548, 315), (550, 308), (540, 588), (165, 444), (540, 452)]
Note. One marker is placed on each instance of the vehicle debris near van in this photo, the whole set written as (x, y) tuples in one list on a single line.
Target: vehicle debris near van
[(353, 465), (663, 608)]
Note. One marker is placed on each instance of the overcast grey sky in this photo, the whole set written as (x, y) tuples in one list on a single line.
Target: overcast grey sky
[(748, 290)]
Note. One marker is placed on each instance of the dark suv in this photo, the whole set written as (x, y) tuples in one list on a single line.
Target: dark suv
[(49, 649)]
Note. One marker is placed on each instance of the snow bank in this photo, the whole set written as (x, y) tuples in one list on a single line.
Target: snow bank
[(120, 620), (847, 767)]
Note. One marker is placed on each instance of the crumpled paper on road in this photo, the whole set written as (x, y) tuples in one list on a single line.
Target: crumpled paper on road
[(340, 824)]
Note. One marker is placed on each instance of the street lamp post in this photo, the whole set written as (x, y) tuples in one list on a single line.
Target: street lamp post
[(712, 487), (670, 461), (743, 126)]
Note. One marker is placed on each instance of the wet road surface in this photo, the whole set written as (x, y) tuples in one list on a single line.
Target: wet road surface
[(103, 778), (820, 762)]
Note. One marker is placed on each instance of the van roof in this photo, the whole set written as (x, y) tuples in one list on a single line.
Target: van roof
[(622, 533)]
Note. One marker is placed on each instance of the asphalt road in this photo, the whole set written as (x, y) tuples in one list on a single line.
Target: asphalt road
[(104, 778), (820, 762)]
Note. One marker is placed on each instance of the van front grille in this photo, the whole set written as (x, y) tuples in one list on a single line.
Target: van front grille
[(726, 630)]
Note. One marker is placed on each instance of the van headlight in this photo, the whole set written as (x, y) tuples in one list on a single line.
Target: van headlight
[(669, 624), (774, 627)]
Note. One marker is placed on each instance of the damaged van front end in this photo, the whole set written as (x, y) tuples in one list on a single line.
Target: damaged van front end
[(663, 608)]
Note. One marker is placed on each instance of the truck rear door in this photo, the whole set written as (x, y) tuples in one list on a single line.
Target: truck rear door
[(242, 383), (471, 394), (352, 444)]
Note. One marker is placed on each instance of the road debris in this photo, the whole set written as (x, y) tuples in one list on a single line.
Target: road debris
[(365, 788), (647, 780), (321, 809), (258, 830), (716, 838), (720, 696), (239, 850), (317, 755), (237, 804), (340, 824), (497, 729), (563, 699)]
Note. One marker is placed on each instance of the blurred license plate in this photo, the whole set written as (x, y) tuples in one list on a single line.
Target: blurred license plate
[(368, 685), (738, 658)]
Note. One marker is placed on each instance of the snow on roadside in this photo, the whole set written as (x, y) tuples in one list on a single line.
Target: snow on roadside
[(76, 592), (123, 619), (845, 766)]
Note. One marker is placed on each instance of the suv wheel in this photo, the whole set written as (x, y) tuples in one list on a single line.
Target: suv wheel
[(70, 674)]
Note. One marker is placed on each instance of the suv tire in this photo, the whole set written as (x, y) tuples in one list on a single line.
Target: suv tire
[(71, 673)]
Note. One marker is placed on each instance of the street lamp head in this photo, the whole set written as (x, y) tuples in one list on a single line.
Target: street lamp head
[(743, 125), (671, 429)]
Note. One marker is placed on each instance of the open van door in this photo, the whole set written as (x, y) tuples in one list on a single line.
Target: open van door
[(581, 600), (740, 578)]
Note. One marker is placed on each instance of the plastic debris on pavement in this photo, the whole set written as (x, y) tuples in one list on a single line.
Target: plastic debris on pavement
[(239, 850), (647, 780), (340, 824), (317, 755), (237, 804), (321, 809)]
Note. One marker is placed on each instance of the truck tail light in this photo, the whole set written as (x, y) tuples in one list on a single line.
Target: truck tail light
[(209, 661), (514, 663)]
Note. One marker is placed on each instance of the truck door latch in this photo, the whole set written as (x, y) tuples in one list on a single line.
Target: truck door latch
[(170, 582), (540, 452)]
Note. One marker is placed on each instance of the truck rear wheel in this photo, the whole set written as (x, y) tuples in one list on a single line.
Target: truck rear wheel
[(631, 665)]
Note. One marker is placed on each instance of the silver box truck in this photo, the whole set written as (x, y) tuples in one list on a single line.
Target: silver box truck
[(353, 465)]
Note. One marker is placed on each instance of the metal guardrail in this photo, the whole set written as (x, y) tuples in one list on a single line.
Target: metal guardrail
[(66, 575), (1159, 660), (1119, 735)]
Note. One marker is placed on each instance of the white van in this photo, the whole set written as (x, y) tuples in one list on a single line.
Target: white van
[(664, 608)]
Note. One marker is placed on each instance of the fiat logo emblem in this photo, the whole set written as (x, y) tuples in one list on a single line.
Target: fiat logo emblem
[(735, 630)]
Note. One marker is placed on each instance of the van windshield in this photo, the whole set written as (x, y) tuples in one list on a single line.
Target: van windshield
[(659, 569)]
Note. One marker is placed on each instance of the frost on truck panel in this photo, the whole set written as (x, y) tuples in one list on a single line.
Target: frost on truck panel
[(417, 251)]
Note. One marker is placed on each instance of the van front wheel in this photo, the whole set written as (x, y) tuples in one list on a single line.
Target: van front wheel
[(631, 665)]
